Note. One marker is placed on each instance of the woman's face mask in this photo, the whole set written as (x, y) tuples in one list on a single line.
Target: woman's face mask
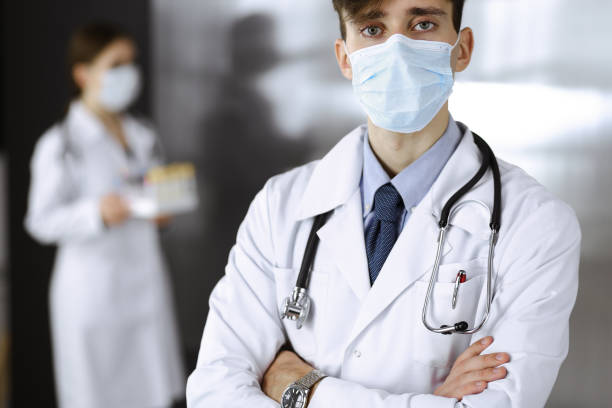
[(119, 87), (403, 83)]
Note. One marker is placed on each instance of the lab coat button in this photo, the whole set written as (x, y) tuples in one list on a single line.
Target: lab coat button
[(357, 353)]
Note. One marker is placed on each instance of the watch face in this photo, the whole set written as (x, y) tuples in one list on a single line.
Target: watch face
[(293, 398)]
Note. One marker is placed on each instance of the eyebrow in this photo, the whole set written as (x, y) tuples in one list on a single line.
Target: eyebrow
[(370, 15), (376, 14), (426, 11)]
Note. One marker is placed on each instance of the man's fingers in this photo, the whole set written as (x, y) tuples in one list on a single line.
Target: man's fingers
[(475, 349), (472, 371), (474, 387), (487, 374), (484, 361), (476, 381)]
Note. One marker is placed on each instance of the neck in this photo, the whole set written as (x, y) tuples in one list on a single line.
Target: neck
[(396, 151), (108, 119)]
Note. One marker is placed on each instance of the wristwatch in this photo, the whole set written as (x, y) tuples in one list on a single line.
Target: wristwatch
[(296, 394)]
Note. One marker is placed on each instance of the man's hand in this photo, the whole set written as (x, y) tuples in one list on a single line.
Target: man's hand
[(472, 371), (284, 370)]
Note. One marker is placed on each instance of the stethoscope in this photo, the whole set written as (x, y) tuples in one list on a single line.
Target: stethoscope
[(297, 306)]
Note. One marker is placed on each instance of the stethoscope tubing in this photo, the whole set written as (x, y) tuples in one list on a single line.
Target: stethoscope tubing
[(297, 306), (489, 161)]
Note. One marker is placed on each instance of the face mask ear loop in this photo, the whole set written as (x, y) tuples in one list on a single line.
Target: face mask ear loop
[(348, 54), (458, 40), (455, 46)]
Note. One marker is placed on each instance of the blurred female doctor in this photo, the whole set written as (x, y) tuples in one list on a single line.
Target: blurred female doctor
[(113, 331)]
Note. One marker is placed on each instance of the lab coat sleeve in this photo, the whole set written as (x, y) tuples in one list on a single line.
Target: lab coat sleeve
[(243, 332), (337, 393), (55, 211), (529, 320), (536, 293)]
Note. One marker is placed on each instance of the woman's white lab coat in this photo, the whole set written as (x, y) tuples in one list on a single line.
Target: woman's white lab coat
[(114, 335), (370, 340)]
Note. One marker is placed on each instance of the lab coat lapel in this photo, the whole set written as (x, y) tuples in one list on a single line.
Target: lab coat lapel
[(334, 185), (343, 236), (411, 257), (413, 254), (84, 126), (335, 177), (87, 132)]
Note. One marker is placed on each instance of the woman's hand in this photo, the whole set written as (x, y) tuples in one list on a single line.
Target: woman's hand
[(163, 220), (472, 371), (114, 209)]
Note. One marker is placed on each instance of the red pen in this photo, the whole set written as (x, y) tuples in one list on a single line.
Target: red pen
[(461, 278)]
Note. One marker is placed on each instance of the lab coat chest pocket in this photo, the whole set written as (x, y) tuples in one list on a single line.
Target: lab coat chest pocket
[(304, 340), (439, 350)]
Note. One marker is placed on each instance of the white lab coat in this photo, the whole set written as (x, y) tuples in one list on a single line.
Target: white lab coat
[(370, 340), (114, 336)]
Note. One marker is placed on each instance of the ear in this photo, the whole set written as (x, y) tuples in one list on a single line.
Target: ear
[(80, 74), (343, 60), (464, 50)]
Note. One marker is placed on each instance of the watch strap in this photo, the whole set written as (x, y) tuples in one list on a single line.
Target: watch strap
[(310, 379)]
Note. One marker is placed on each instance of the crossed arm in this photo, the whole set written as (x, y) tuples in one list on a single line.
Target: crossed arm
[(470, 374)]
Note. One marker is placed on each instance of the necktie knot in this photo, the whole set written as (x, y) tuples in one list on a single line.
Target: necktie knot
[(388, 203)]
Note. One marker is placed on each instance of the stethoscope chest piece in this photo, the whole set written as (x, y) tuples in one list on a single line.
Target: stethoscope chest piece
[(297, 307)]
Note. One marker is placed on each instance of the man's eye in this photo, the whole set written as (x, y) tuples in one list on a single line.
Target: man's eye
[(425, 26), (372, 31)]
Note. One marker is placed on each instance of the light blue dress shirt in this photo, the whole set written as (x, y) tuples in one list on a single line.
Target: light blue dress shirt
[(414, 181)]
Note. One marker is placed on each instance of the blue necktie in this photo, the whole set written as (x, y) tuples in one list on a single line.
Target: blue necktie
[(381, 234)]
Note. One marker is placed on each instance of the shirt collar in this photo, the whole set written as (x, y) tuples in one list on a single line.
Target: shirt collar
[(414, 181), (82, 122)]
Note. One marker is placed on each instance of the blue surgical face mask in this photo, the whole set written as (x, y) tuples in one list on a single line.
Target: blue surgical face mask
[(120, 87), (403, 83)]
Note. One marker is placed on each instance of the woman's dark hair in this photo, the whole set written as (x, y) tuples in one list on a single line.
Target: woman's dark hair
[(88, 41), (354, 7)]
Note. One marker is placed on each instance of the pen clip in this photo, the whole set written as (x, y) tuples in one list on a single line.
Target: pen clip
[(461, 278)]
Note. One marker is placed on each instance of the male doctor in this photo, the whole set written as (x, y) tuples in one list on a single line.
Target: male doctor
[(384, 185)]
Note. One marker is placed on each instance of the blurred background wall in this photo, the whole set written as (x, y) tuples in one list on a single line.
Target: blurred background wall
[(4, 329), (249, 88)]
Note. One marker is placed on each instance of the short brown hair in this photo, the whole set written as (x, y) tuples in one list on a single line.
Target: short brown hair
[(88, 41), (354, 7)]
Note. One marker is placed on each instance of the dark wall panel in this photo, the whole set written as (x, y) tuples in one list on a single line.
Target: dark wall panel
[(35, 93)]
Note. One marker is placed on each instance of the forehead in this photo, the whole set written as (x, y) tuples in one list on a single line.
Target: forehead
[(384, 8), (122, 49)]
